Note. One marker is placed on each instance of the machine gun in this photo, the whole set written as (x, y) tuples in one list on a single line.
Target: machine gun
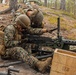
[(58, 42)]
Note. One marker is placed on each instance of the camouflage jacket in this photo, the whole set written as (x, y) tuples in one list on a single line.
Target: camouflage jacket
[(10, 33)]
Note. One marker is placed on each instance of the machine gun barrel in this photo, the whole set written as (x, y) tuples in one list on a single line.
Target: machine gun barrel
[(69, 42)]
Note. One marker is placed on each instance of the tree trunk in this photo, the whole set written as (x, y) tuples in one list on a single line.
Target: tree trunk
[(74, 7), (62, 5), (55, 4), (68, 7), (51, 4), (39, 0), (45, 3), (12, 5), (0, 1)]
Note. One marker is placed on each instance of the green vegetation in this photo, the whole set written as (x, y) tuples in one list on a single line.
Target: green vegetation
[(69, 14), (53, 20)]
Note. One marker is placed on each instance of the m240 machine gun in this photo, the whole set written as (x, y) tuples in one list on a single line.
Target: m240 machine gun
[(58, 42)]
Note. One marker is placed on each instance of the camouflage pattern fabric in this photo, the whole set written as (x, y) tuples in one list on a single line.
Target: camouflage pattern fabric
[(17, 52), (37, 31)]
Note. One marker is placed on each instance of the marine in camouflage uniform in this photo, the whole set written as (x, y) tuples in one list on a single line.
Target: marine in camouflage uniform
[(11, 41), (35, 15)]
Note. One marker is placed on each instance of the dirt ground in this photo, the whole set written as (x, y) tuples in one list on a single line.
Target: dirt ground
[(23, 68)]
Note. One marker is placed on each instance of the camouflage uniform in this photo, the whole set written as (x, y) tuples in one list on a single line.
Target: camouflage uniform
[(15, 52), (36, 18)]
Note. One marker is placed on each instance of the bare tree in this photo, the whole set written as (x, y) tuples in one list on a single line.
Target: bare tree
[(68, 6), (12, 5), (62, 5), (45, 3), (0, 1), (74, 7), (55, 4)]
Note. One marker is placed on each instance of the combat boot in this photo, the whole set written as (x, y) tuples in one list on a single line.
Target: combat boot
[(42, 65)]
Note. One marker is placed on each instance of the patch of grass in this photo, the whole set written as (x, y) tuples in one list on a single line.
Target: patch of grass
[(53, 20), (65, 27), (69, 14), (71, 36), (65, 24), (67, 21), (74, 25), (45, 14)]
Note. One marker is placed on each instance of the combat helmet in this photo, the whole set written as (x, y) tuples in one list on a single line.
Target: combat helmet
[(23, 20)]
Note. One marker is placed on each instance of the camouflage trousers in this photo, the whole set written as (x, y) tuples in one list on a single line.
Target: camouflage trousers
[(19, 53)]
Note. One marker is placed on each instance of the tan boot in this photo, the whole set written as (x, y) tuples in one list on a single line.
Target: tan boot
[(42, 65)]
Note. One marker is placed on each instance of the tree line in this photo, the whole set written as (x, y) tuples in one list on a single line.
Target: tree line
[(65, 5)]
